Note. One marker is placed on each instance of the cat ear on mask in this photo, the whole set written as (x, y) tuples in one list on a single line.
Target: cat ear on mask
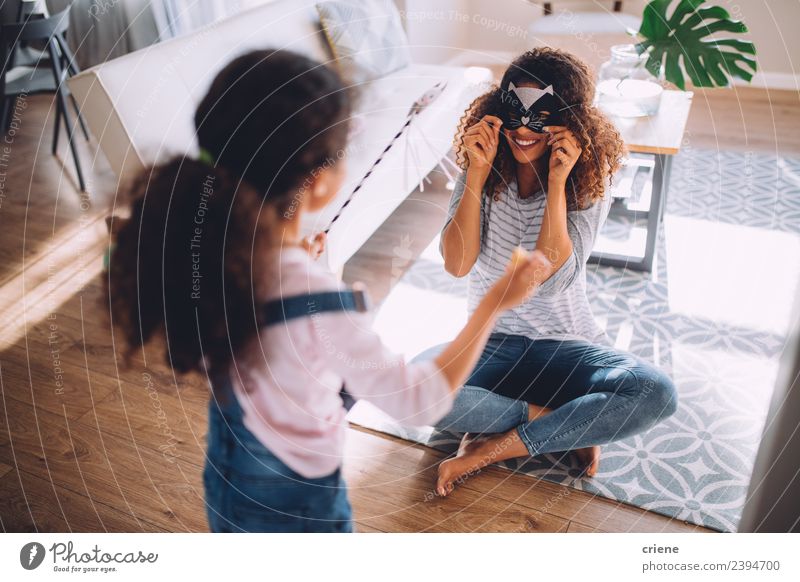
[(528, 96)]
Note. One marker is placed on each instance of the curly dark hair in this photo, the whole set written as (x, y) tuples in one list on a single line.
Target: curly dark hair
[(572, 82), (183, 262)]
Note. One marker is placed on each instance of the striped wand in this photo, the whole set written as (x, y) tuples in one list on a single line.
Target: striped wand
[(427, 98)]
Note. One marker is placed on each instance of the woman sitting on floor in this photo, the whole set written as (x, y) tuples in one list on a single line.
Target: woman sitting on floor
[(538, 157)]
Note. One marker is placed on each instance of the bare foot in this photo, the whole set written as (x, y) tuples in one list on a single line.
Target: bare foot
[(473, 456), (451, 472), (589, 459), (450, 469), (469, 442)]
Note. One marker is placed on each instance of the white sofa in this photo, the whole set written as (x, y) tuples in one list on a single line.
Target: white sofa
[(140, 107)]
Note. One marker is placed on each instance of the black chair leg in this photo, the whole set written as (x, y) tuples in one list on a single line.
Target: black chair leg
[(62, 97), (72, 69), (72, 66), (71, 137), (57, 127), (11, 59), (8, 105), (79, 116)]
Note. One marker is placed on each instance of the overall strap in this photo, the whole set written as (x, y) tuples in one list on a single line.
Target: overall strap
[(288, 308)]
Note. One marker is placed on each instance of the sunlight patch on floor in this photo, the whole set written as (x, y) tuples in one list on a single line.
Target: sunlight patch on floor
[(411, 320), (71, 261), (739, 381), (731, 273)]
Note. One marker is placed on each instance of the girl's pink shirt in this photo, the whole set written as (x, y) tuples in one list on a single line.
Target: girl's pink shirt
[(293, 373)]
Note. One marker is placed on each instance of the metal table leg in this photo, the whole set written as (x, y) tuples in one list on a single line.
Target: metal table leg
[(654, 216), (654, 213)]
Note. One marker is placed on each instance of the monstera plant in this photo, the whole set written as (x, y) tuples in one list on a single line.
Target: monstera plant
[(678, 46)]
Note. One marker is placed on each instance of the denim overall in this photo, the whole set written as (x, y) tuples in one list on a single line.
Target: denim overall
[(248, 489)]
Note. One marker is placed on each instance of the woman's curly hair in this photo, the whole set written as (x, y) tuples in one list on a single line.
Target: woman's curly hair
[(572, 82)]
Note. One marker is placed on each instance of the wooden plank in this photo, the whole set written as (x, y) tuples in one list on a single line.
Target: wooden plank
[(29, 503), (69, 360), (54, 382), (168, 423), (40, 291), (148, 486)]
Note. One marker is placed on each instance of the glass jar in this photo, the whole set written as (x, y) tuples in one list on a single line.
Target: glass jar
[(625, 88)]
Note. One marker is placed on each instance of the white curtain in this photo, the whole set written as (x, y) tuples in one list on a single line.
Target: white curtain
[(177, 17), (101, 30)]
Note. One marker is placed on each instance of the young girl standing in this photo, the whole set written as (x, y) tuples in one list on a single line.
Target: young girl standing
[(212, 258)]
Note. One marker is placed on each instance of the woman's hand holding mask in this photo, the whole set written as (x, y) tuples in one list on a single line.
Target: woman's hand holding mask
[(565, 153), (481, 141)]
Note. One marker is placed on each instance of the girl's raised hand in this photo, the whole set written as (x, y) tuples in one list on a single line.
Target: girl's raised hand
[(481, 141), (565, 152), (524, 274), (315, 245)]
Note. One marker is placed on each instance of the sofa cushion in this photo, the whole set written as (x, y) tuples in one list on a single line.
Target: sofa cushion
[(367, 39)]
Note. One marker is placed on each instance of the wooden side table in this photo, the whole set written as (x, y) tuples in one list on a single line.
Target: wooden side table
[(659, 137)]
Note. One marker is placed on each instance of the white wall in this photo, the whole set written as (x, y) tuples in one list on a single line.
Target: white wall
[(501, 25), (773, 29), (434, 28), (458, 25)]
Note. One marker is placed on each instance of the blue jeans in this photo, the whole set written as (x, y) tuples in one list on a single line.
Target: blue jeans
[(248, 489), (598, 394)]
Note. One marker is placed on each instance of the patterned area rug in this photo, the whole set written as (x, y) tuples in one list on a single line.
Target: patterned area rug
[(713, 314)]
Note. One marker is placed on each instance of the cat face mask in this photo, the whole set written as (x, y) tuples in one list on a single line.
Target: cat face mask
[(529, 107)]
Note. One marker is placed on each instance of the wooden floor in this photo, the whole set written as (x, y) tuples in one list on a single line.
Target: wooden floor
[(88, 444)]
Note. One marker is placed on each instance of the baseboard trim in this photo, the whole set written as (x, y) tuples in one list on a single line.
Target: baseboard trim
[(767, 80)]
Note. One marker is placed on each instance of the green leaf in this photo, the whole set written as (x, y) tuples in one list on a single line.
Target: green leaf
[(654, 19), (672, 67), (678, 44), (696, 70), (743, 46), (682, 10)]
